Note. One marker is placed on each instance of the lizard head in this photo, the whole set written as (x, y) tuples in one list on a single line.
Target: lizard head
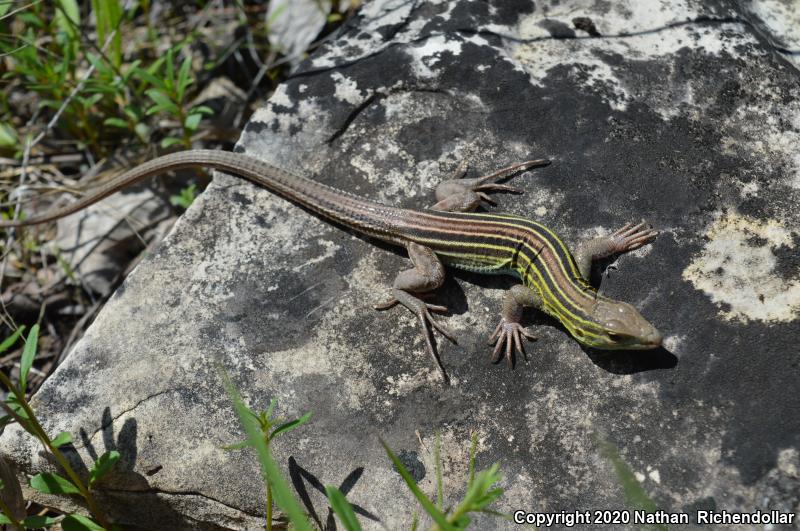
[(619, 327)]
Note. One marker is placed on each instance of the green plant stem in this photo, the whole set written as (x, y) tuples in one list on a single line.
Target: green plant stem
[(40, 434), (187, 136)]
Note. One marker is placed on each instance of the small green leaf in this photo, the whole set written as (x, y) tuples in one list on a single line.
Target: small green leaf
[(169, 79), (5, 519), (170, 141), (133, 113), (91, 100), (268, 413), (61, 439), (76, 522), (49, 103), (107, 16), (30, 19), (28, 353), (192, 121), (36, 521), (95, 60), (53, 484), (203, 109), (8, 136), (148, 78), (155, 109), (186, 197), (142, 131), (116, 122), (342, 508), (13, 402), (130, 71), (183, 78), (103, 466), (283, 428), (10, 340), (162, 101)]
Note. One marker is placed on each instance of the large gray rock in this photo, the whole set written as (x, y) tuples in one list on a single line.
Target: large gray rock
[(677, 112)]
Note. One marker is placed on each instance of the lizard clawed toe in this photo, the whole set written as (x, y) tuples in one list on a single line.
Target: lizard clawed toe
[(509, 334), (427, 322), (632, 236)]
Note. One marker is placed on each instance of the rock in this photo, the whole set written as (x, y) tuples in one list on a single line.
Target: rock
[(779, 22), (294, 24), (680, 112)]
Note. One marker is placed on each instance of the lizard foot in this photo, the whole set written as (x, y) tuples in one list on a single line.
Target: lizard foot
[(464, 195), (423, 312), (631, 237), (509, 334)]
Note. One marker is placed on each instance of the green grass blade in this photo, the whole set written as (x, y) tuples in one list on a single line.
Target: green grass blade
[(68, 17), (108, 14), (437, 515), (28, 354), (342, 508), (283, 428), (272, 474), (184, 80), (10, 340), (271, 408)]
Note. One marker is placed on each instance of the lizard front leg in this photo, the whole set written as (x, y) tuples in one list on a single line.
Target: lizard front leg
[(426, 275), (509, 332), (465, 195), (626, 239)]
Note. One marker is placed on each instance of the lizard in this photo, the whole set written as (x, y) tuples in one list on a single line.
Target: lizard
[(452, 233)]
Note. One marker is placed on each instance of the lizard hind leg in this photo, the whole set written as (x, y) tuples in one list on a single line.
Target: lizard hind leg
[(426, 275), (466, 195)]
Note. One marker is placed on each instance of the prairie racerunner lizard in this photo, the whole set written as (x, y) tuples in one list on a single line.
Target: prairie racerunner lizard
[(451, 233)]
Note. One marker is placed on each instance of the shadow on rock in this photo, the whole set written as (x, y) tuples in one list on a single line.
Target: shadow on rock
[(122, 492), (300, 476), (632, 361)]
